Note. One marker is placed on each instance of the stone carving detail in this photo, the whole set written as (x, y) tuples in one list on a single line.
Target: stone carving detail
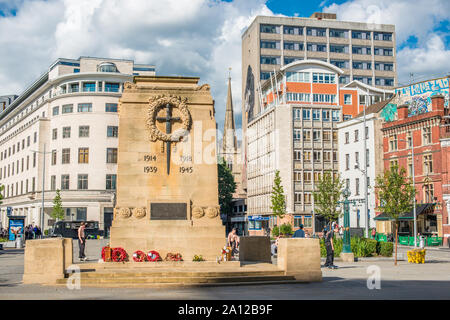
[(212, 212), (160, 101), (124, 212), (130, 85), (198, 212), (203, 87), (139, 213)]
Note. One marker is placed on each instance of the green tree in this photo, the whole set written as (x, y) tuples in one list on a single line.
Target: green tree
[(278, 199), (227, 187), (57, 212), (396, 195), (326, 197), (2, 187)]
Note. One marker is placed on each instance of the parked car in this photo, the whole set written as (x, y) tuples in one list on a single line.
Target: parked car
[(69, 229)]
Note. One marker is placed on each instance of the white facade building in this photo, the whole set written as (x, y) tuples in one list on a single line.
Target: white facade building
[(71, 113), (351, 161)]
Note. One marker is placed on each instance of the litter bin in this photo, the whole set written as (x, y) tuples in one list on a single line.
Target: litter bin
[(19, 241), (422, 242)]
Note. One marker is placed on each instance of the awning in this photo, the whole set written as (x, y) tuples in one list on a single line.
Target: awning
[(420, 208), (257, 218)]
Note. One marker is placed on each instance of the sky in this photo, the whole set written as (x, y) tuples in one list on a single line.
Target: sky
[(197, 37)]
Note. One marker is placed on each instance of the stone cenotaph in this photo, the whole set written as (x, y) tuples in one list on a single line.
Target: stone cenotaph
[(167, 185)]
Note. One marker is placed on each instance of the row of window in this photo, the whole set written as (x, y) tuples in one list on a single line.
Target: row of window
[(12, 150), (89, 87), (357, 185), (82, 107), (8, 171), (316, 134), (321, 32), (305, 114), (347, 160), (315, 156), (426, 139), (83, 155), (82, 184), (355, 135), (83, 132)]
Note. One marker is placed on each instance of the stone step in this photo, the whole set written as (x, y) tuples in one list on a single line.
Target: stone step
[(172, 273), (178, 280)]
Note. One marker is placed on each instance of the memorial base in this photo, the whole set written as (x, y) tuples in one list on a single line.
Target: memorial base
[(164, 236)]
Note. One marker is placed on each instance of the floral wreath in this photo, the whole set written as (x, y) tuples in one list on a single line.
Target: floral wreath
[(119, 255), (159, 101), (153, 256), (139, 256), (173, 257)]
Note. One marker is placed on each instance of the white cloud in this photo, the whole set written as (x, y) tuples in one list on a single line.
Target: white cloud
[(181, 37), (412, 18)]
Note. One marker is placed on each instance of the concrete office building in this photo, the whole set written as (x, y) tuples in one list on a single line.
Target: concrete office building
[(70, 112), (365, 53)]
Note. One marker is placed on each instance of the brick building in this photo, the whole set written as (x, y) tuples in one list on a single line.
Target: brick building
[(422, 132)]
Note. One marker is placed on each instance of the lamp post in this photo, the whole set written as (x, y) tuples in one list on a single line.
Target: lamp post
[(414, 187), (43, 184), (346, 241)]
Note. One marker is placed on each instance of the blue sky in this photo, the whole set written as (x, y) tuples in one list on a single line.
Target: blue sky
[(197, 37)]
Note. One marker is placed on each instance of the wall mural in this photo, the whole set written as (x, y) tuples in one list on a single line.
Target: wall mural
[(389, 112), (418, 96)]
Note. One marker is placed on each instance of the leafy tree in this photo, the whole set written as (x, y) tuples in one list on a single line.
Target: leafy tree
[(286, 229), (397, 194), (278, 199), (57, 212), (326, 197), (2, 187), (227, 187)]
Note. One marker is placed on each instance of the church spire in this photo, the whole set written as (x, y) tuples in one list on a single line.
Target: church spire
[(229, 143)]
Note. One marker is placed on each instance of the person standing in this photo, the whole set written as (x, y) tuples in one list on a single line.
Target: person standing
[(82, 241), (329, 245), (300, 233)]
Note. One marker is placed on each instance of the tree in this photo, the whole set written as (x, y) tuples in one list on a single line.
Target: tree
[(326, 197), (57, 212), (2, 187), (278, 199), (396, 194), (227, 187)]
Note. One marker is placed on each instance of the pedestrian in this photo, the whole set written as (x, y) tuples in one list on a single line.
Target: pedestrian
[(329, 245), (374, 233), (82, 241), (299, 233), (233, 241), (274, 246)]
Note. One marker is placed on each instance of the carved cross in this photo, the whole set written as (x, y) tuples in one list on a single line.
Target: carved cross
[(168, 120)]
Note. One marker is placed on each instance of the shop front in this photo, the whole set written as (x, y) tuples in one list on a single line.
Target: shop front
[(258, 225)]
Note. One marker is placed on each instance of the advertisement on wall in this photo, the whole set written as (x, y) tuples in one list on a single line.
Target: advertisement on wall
[(15, 228)]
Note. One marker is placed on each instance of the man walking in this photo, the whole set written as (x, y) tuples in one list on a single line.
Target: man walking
[(300, 233), (82, 241), (329, 245)]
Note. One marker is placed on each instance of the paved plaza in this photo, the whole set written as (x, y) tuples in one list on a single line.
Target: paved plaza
[(406, 281)]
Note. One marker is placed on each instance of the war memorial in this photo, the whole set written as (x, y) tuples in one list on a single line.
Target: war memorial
[(167, 202)]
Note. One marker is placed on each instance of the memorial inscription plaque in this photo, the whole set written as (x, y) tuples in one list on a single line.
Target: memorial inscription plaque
[(168, 211)]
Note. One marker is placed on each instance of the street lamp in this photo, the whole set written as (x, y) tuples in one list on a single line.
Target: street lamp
[(43, 184), (414, 187)]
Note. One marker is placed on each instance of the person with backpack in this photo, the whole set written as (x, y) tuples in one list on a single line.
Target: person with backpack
[(329, 245)]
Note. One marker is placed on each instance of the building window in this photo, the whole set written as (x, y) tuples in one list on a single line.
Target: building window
[(427, 163), (307, 198), (356, 159), (267, 28), (297, 176), (306, 156), (82, 182), (428, 193), (83, 131), (307, 221), (426, 133), (297, 155), (325, 115), (335, 157), (307, 135), (317, 157), (298, 197), (367, 132), (327, 156), (357, 186), (347, 161), (66, 132), (65, 156), (307, 176), (347, 99), (111, 87), (33, 184), (67, 108), (54, 134), (111, 155), (269, 60), (85, 107), (347, 184), (367, 158), (347, 138), (35, 137), (53, 183), (74, 87), (269, 44), (34, 159), (409, 162), (64, 182), (296, 113), (83, 155), (338, 33), (327, 98), (111, 107), (356, 135), (393, 163), (55, 111), (393, 142), (111, 182), (316, 135), (306, 114), (297, 134), (316, 114), (335, 115), (326, 135), (112, 131), (297, 77), (323, 78), (53, 157)]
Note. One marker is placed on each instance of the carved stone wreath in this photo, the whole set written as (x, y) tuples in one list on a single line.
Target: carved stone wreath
[(198, 212), (123, 212), (139, 213), (212, 212), (157, 102)]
